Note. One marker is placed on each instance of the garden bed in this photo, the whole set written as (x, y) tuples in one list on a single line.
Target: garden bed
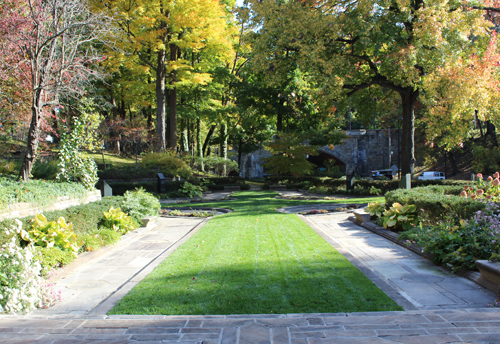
[(473, 276), (315, 209), (193, 212)]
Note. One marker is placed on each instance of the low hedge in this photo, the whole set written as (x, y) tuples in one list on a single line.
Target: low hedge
[(338, 185), (231, 180), (120, 188), (437, 202), (39, 192), (85, 218), (128, 173)]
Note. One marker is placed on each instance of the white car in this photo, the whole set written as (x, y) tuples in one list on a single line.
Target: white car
[(431, 175)]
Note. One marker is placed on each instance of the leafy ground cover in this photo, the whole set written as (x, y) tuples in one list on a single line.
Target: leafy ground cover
[(255, 261), (36, 191)]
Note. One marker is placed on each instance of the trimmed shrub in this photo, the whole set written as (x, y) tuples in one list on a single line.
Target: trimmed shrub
[(436, 206), (139, 203), (245, 187), (128, 173), (167, 162)]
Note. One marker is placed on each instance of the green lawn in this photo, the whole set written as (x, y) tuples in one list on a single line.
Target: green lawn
[(112, 160), (255, 261)]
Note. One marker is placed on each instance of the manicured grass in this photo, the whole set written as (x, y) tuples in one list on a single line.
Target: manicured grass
[(255, 261), (112, 160)]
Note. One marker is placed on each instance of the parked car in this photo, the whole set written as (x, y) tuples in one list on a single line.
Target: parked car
[(382, 173), (431, 175)]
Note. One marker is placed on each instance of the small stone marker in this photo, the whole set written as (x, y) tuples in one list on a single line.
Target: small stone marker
[(106, 190), (161, 183), (361, 215), (350, 182), (405, 182)]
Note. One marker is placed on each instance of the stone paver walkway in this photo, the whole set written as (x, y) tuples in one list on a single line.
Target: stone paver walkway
[(411, 327), (412, 281), (94, 287), (439, 307)]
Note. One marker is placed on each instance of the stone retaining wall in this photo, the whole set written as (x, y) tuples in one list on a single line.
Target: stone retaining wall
[(24, 209)]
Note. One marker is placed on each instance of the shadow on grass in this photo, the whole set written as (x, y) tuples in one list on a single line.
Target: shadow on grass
[(270, 287)]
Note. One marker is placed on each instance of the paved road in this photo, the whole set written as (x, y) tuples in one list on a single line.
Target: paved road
[(439, 307)]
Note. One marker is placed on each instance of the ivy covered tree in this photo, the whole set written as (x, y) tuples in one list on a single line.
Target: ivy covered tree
[(81, 134)]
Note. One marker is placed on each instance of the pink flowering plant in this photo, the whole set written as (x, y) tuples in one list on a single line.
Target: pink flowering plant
[(487, 190)]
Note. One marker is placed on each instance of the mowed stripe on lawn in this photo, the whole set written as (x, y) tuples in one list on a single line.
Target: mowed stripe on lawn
[(255, 261)]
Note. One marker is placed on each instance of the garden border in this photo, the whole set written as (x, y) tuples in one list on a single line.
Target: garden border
[(394, 237)]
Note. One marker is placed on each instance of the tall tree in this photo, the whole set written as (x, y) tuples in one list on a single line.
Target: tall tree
[(48, 45), (164, 34), (352, 46)]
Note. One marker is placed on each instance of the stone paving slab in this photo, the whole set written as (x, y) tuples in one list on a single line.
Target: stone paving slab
[(423, 326)]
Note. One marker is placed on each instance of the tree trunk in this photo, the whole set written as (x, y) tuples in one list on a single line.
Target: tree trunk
[(207, 139), (149, 118), (408, 100), (184, 137), (55, 127), (240, 154), (279, 120), (160, 101), (223, 146), (33, 139), (199, 148), (491, 133), (454, 166), (172, 118)]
